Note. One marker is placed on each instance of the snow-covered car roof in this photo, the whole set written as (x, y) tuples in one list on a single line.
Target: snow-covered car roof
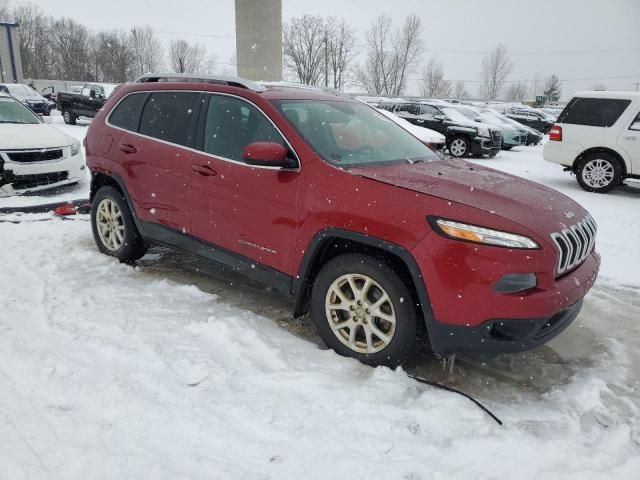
[(425, 135)]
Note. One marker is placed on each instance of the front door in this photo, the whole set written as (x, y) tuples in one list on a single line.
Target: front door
[(237, 209)]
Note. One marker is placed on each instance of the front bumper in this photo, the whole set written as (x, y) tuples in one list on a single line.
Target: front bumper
[(467, 312), (38, 176), (484, 146), (40, 108)]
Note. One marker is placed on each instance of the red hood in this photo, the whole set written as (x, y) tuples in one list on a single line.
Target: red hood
[(534, 206)]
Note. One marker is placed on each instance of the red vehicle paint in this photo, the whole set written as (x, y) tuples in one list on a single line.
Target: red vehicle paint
[(282, 224)]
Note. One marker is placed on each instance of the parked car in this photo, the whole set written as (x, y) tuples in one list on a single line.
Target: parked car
[(28, 96), (597, 137), (464, 137), (84, 104), (39, 155), (50, 94), (342, 211), (511, 136), (516, 133), (531, 117), (430, 138)]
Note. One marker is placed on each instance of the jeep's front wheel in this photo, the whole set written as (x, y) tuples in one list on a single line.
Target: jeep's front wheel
[(114, 230), (68, 117), (363, 309)]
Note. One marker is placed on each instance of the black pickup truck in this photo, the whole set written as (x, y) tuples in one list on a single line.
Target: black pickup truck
[(84, 104)]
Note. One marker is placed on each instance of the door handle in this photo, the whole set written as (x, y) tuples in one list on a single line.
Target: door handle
[(126, 148), (630, 137), (420, 121), (204, 170)]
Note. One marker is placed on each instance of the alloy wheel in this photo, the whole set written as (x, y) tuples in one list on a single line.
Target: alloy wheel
[(458, 147), (110, 224), (360, 313), (598, 173)]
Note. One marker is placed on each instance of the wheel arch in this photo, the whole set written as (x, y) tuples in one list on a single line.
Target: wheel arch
[(333, 242), (101, 179), (596, 150)]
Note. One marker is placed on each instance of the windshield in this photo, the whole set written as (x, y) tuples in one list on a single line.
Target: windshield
[(21, 91), (12, 111), (347, 134), (454, 115), (467, 112)]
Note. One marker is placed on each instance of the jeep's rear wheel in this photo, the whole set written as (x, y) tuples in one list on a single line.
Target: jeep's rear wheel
[(363, 309), (599, 172), (459, 147), (114, 230)]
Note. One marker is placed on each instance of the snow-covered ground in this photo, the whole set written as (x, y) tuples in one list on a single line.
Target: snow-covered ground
[(176, 370)]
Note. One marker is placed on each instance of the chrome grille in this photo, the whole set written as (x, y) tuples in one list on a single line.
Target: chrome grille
[(575, 243)]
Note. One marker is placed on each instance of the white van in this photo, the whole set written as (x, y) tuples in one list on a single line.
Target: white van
[(597, 136)]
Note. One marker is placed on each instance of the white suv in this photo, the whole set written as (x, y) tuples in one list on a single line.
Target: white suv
[(597, 136)]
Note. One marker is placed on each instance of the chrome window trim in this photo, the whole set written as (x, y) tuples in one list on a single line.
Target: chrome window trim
[(201, 152)]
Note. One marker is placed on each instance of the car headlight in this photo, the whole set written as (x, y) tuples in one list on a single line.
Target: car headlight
[(75, 148), (475, 234), (484, 132)]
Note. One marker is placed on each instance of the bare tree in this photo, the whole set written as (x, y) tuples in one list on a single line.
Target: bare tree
[(185, 57), (4, 11), (112, 57), (517, 91), (433, 83), (340, 44), (495, 70), (304, 41), (71, 46), (599, 87), (460, 90), (36, 50), (552, 88), (390, 56), (147, 50)]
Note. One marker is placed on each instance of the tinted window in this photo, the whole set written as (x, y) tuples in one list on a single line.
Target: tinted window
[(410, 109), (232, 124), (171, 116), (428, 111), (127, 114), (594, 112), (636, 123)]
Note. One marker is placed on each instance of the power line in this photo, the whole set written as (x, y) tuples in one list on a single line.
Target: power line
[(532, 53), (562, 79)]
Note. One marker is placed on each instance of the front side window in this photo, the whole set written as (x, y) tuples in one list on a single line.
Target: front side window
[(593, 112), (428, 111), (171, 116), (12, 111), (231, 124), (127, 114), (349, 134), (636, 123)]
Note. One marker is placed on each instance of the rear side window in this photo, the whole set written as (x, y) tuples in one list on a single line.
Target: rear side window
[(593, 112), (636, 123), (127, 114), (171, 116)]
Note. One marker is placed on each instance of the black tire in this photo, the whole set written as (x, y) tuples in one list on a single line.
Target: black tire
[(132, 246), (403, 337), (461, 146), (493, 153), (599, 172), (507, 147), (68, 117)]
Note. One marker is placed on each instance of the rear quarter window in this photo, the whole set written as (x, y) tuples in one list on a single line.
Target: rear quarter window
[(593, 112), (127, 113)]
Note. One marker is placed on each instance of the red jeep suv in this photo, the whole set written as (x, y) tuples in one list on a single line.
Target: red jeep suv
[(336, 206)]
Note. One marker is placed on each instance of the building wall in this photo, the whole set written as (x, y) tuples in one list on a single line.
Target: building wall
[(10, 65), (259, 39)]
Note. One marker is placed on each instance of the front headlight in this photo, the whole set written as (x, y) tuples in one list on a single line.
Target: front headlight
[(484, 132), (75, 148), (475, 234)]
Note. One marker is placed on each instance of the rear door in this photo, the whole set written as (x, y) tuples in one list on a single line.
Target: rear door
[(248, 211), (629, 140), (155, 154)]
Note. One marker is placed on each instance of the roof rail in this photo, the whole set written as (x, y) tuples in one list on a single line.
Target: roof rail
[(198, 78)]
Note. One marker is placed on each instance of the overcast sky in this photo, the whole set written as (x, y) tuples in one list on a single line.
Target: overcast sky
[(594, 40)]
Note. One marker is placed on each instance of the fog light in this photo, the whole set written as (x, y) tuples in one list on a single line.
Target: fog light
[(516, 283)]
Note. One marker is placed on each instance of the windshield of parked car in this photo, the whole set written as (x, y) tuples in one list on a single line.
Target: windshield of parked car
[(12, 111), (455, 115), (21, 91), (349, 134)]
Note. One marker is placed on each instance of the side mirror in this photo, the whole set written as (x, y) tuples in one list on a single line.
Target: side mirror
[(47, 120), (266, 154), (439, 118), (478, 120), (92, 93)]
